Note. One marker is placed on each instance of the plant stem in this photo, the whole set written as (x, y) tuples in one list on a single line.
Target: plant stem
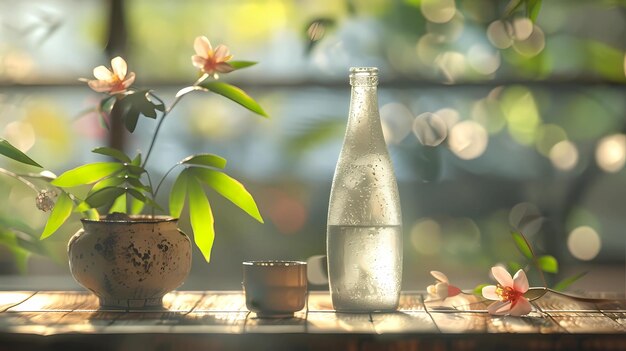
[(156, 191), (158, 127), (20, 178), (578, 298)]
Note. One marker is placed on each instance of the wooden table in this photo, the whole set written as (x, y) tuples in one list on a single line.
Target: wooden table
[(219, 320)]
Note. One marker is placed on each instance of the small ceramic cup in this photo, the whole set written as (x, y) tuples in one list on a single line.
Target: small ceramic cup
[(275, 289)]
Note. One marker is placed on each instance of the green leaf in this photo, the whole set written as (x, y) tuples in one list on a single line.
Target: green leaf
[(177, 194), (135, 171), (87, 174), (205, 160), (532, 9), (136, 206), (60, 213), (229, 188), (137, 184), (13, 153), (115, 153), (548, 264), (512, 6), (137, 160), (107, 182), (565, 283), (235, 94), (132, 105), (136, 194), (522, 245), (201, 218), (119, 205), (478, 290), (104, 196), (241, 64)]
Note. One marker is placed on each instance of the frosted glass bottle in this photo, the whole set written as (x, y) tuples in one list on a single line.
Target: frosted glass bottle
[(364, 236)]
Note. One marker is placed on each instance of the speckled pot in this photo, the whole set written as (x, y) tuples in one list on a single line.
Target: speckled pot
[(130, 264)]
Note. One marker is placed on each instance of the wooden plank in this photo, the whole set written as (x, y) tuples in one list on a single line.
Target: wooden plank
[(182, 301), (555, 302), (227, 301), (534, 322), (9, 299), (211, 322), (403, 322), (297, 324), (411, 301), (330, 322), (30, 322), (587, 322), (58, 301), (460, 322), (84, 322), (320, 301)]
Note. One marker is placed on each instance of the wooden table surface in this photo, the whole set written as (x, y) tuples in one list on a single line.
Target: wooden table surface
[(197, 320)]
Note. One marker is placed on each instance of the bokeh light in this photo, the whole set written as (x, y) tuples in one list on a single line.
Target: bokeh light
[(564, 155), (396, 120), (483, 59), (430, 129), (438, 11), (547, 136), (468, 140), (611, 153), (426, 236), (20, 134), (489, 114), (522, 114), (584, 243), (533, 45), (499, 34)]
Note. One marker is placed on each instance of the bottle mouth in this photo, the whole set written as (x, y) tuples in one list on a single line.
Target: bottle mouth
[(364, 71), (364, 76)]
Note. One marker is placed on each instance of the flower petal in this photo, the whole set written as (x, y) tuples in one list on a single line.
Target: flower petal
[(489, 292), (502, 276), (222, 53), (102, 73), (202, 46), (198, 61), (499, 308), (442, 290), (99, 85), (119, 67), (453, 290), (520, 307), (520, 282), (224, 67), (439, 276), (130, 79)]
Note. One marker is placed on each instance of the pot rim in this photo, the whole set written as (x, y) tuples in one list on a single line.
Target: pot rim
[(134, 219), (273, 263)]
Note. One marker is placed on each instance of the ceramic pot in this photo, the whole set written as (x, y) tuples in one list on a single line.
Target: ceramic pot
[(130, 264)]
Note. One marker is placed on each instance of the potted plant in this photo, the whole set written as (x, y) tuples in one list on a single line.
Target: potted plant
[(127, 259)]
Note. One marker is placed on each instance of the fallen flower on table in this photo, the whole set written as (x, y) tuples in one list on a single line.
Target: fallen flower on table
[(509, 293), (442, 288)]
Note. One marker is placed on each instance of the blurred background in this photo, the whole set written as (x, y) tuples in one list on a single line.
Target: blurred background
[(499, 115)]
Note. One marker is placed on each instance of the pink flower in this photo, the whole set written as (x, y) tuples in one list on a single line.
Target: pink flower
[(113, 80), (442, 288), (211, 61), (509, 293)]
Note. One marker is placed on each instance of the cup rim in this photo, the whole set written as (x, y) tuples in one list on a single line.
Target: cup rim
[(273, 263)]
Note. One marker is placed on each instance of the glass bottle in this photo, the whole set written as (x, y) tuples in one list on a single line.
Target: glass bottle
[(364, 236)]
